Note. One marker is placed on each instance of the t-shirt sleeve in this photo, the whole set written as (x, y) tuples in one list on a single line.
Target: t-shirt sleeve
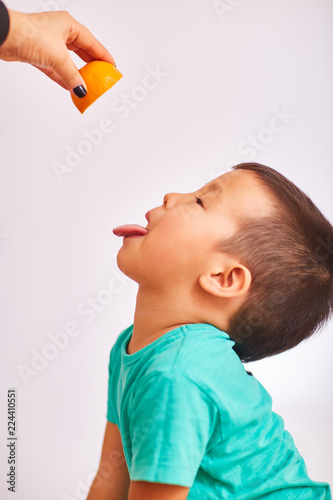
[(171, 423), (111, 414)]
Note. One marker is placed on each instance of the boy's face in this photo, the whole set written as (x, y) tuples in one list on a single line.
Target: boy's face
[(185, 230)]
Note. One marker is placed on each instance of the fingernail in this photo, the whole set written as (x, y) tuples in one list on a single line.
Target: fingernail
[(80, 91)]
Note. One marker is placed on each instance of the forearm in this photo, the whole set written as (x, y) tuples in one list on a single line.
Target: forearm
[(115, 488)]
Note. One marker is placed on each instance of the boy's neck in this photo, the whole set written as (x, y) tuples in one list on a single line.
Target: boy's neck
[(156, 315)]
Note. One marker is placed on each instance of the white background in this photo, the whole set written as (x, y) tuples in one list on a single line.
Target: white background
[(224, 75)]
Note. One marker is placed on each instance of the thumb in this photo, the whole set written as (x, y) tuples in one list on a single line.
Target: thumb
[(70, 76)]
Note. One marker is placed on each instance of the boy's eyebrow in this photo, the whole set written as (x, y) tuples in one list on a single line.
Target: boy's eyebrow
[(214, 186)]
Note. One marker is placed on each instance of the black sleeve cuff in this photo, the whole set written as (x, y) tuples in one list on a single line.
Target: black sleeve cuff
[(4, 22)]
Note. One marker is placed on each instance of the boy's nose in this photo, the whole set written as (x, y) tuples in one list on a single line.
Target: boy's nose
[(170, 199)]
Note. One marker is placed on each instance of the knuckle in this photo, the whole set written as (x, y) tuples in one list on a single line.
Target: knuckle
[(66, 15)]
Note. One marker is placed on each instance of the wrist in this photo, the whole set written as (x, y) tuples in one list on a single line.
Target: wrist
[(9, 48)]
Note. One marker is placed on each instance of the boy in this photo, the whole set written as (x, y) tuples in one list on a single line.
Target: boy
[(237, 271)]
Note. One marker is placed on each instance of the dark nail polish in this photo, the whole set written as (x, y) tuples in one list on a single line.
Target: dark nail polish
[(80, 91)]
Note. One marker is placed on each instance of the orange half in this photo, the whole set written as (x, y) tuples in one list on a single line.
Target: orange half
[(99, 76)]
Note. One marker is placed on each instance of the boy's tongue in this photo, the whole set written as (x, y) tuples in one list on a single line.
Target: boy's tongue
[(130, 230)]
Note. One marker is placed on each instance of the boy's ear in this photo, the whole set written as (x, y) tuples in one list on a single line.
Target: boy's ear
[(233, 280)]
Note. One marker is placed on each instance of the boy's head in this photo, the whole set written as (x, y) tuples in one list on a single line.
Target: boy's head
[(248, 252)]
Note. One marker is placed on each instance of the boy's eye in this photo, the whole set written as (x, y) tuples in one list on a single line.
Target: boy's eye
[(199, 201)]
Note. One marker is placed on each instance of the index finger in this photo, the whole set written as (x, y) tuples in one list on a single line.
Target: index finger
[(80, 37)]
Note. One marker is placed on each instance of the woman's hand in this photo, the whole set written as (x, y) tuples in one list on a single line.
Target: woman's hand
[(43, 40)]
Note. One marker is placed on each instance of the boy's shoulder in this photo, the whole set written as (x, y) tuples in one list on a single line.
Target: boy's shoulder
[(198, 351), (201, 353), (193, 355)]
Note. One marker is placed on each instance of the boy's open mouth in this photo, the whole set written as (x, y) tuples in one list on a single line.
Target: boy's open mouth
[(130, 230)]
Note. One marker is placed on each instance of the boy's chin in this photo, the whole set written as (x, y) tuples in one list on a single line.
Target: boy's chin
[(126, 267)]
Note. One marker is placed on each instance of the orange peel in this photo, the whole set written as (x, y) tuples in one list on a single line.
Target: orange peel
[(99, 76)]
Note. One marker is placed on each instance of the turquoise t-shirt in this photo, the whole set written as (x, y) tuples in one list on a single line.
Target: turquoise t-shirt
[(189, 414)]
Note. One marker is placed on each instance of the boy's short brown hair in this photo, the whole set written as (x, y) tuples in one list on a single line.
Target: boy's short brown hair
[(290, 256)]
